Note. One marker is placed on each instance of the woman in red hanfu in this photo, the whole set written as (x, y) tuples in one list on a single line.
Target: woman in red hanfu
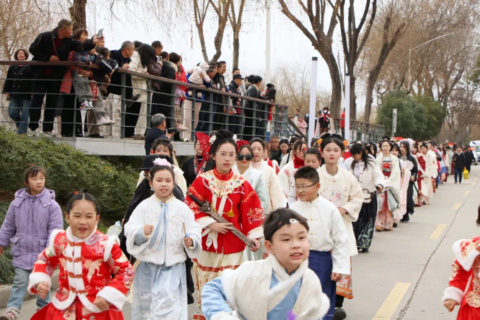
[(465, 276), (95, 275), (235, 199)]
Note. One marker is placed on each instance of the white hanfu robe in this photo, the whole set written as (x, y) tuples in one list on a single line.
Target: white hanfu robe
[(262, 290), (277, 198), (160, 284)]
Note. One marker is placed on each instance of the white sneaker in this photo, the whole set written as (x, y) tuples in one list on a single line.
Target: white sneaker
[(46, 134), (31, 133), (90, 105), (84, 105), (104, 121)]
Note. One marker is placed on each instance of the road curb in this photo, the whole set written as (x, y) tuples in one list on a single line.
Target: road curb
[(5, 291)]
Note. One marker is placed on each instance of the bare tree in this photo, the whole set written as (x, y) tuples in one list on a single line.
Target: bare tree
[(321, 40), (200, 9), (353, 41), (221, 9), (78, 14), (235, 19)]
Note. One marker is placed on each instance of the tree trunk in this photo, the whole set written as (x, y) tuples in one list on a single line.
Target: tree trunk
[(372, 79), (202, 42), (78, 14), (353, 98), (336, 99), (222, 13), (236, 49)]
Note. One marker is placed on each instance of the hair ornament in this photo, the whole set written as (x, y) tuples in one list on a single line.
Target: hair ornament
[(235, 138), (319, 141), (293, 221), (162, 163), (212, 139), (345, 143)]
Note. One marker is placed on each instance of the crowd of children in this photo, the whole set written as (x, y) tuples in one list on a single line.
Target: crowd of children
[(260, 244)]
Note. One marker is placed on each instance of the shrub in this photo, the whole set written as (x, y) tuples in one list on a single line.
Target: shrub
[(7, 271), (68, 170)]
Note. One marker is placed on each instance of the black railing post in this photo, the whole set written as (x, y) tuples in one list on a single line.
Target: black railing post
[(74, 107), (123, 106), (149, 104), (172, 107), (194, 100), (211, 113)]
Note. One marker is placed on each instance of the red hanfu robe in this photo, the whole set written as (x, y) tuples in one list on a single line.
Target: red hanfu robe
[(89, 268), (466, 267)]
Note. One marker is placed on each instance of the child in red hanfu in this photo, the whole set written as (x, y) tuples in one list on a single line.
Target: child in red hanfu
[(466, 271), (95, 275)]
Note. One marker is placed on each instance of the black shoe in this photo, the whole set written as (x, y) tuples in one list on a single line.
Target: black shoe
[(364, 250), (339, 314), (95, 136), (130, 102)]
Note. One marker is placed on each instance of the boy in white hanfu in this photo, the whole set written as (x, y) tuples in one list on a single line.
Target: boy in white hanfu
[(329, 244), (280, 287)]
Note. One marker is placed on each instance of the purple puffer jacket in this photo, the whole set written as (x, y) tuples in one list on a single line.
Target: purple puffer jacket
[(28, 224)]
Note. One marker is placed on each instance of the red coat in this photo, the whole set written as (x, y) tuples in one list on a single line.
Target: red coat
[(342, 120), (242, 208), (466, 266), (94, 267)]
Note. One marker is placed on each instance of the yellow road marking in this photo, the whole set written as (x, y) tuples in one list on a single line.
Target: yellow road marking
[(467, 193), (456, 206), (438, 232), (390, 304), (473, 184)]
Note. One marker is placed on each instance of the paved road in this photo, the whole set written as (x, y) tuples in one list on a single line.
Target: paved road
[(406, 271)]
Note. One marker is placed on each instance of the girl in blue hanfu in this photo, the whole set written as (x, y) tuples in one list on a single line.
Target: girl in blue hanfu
[(280, 287), (160, 234)]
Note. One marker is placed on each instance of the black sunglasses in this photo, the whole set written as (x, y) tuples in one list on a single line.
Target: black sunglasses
[(242, 157)]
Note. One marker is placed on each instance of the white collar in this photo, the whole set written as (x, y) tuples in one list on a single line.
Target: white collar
[(328, 175), (74, 239), (154, 197)]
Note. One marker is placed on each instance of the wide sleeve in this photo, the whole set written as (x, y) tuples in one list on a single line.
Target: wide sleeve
[(251, 213), (44, 266), (457, 284), (134, 230), (122, 277), (194, 231), (9, 228), (378, 177), (277, 197), (214, 301), (283, 179), (199, 190), (262, 192), (341, 247), (180, 180), (355, 198), (56, 218)]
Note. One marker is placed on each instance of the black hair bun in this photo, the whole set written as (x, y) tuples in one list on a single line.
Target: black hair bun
[(223, 134)]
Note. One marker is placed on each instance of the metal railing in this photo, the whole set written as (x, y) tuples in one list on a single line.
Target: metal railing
[(205, 110)]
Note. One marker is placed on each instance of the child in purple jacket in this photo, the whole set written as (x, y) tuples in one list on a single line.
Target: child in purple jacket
[(30, 220)]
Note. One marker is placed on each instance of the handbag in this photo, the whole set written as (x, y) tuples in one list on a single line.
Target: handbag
[(466, 174), (367, 196)]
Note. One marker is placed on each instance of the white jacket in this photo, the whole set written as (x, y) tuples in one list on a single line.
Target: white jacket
[(327, 231), (277, 198), (344, 191), (139, 84), (179, 179), (179, 215), (369, 178), (394, 179)]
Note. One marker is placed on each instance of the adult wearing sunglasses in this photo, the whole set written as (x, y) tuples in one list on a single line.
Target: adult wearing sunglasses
[(285, 176), (255, 178)]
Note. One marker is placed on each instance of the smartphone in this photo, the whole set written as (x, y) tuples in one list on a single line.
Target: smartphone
[(100, 33), (173, 130)]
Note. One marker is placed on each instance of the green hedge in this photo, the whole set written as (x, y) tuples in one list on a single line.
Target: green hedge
[(7, 271), (68, 170)]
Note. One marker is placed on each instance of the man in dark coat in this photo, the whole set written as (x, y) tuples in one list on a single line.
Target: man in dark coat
[(469, 158), (459, 164), (235, 112), (53, 45), (220, 109), (253, 91)]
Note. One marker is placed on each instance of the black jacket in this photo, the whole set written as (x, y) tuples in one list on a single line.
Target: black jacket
[(43, 48), (459, 161), (234, 88), (116, 80), (252, 92), (169, 71), (469, 158), (277, 156), (152, 134), (18, 82), (105, 67)]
